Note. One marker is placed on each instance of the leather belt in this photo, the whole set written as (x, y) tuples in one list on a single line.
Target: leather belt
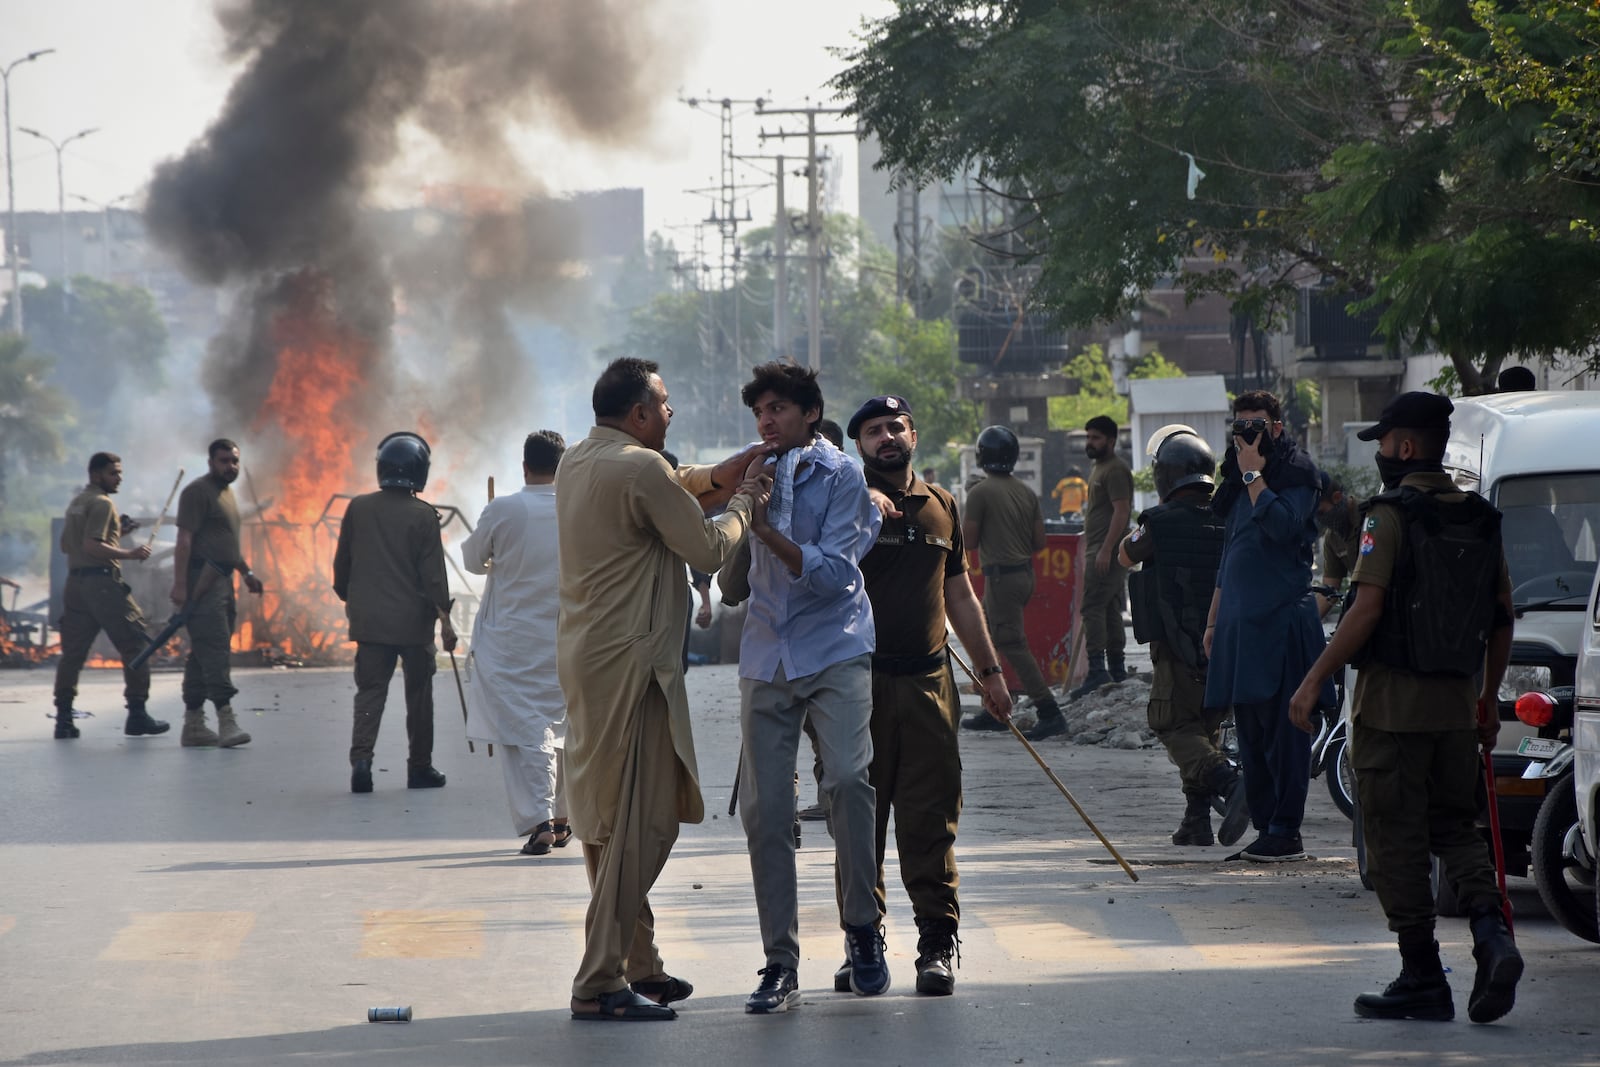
[(1006, 568), (86, 572), (908, 664)]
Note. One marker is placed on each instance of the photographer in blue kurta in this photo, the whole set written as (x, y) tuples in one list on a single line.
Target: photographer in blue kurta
[(1263, 633)]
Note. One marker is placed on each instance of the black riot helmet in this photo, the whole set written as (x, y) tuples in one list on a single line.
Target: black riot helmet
[(403, 461), (1183, 459), (998, 450)]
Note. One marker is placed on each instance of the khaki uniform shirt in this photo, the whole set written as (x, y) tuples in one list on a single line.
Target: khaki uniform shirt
[(1388, 698), (206, 508), (1340, 553), (907, 566), (1110, 480), (389, 569), (627, 524), (1005, 511), (93, 517)]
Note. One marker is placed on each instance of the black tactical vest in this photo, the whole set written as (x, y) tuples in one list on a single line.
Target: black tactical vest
[(1171, 594), (1441, 602)]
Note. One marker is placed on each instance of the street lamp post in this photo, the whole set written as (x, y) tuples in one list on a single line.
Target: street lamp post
[(61, 195), (104, 207), (11, 195)]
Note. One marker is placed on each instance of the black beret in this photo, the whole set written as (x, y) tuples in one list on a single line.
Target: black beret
[(1411, 411), (878, 405)]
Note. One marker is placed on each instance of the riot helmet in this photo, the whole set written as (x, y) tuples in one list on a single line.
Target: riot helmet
[(403, 459), (1183, 459), (1162, 434), (998, 450)]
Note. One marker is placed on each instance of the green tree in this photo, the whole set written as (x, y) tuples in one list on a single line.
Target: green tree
[(1154, 365), (1096, 395), (916, 359), (1333, 140), (32, 413)]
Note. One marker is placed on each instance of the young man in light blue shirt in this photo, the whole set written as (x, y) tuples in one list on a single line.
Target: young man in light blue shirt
[(807, 650)]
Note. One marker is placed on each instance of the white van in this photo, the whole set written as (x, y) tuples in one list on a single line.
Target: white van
[(1536, 457), (1586, 732)]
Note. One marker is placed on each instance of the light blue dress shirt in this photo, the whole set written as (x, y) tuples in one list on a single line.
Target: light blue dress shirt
[(821, 616)]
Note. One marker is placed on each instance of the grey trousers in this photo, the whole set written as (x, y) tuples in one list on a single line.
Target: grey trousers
[(839, 701)]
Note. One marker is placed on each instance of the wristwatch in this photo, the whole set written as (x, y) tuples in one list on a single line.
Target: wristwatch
[(994, 669), (1250, 476)]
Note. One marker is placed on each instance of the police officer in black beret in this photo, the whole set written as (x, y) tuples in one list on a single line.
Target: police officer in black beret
[(1430, 631)]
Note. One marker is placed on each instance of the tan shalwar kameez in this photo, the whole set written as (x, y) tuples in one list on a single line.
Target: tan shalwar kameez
[(628, 523)]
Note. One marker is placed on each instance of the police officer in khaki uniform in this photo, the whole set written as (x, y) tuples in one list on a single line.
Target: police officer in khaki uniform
[(1179, 545), (207, 554), (96, 599), (1105, 580), (916, 577), (1339, 519), (389, 571), (1419, 715), (1004, 523)]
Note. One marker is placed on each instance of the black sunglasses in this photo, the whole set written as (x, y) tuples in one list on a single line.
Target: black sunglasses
[(1244, 426)]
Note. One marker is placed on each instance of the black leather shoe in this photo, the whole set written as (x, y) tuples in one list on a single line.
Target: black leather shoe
[(869, 971), (423, 778), (669, 990), (65, 729), (779, 988), (982, 720), (938, 952), (361, 776), (1092, 681), (1049, 726), (140, 724), (1410, 996)]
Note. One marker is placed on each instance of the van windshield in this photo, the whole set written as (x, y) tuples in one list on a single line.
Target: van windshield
[(1551, 528)]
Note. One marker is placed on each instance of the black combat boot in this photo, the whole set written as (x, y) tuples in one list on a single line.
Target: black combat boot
[(938, 954), (1421, 991), (1117, 666), (140, 724), (65, 729), (1195, 829), (1494, 989), (1097, 677), (1227, 796), (1050, 722)]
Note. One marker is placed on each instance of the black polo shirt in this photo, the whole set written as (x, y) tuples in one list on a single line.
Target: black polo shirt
[(907, 568)]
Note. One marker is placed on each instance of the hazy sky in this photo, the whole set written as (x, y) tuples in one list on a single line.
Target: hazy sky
[(149, 75)]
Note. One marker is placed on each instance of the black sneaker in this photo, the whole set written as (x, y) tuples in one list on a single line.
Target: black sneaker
[(869, 971), (982, 720), (779, 988), (423, 778), (841, 978), (1275, 848), (1410, 996)]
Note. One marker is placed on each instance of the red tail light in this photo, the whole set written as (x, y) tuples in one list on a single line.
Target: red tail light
[(1536, 709)]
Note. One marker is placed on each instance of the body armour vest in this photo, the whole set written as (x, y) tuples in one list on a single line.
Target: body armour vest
[(1171, 593), (1442, 598)]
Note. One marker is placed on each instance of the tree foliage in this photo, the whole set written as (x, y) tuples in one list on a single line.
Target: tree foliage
[(32, 412), (1096, 395), (916, 359), (1339, 143)]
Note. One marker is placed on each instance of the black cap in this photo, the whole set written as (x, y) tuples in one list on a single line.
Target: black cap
[(1411, 411), (878, 405)]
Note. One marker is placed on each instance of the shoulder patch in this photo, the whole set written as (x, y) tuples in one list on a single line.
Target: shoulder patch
[(1137, 533), (1372, 522), (1367, 543)]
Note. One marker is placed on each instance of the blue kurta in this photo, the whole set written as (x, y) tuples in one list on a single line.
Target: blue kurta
[(1268, 632)]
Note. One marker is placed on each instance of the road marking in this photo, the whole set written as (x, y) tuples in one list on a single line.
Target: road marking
[(159, 937), (422, 935)]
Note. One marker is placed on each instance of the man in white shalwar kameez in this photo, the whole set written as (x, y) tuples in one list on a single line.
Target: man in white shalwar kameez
[(516, 693)]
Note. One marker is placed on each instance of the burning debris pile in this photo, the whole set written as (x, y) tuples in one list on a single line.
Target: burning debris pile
[(273, 204)]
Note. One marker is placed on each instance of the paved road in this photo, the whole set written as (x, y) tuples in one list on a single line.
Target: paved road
[(170, 906)]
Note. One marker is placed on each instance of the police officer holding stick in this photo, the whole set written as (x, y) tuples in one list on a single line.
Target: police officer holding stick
[(1430, 631)]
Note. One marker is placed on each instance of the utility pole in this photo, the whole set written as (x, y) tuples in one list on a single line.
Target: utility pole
[(813, 216), (61, 197), (780, 280), (11, 194)]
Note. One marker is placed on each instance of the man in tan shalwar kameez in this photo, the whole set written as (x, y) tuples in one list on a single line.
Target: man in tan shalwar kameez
[(628, 523)]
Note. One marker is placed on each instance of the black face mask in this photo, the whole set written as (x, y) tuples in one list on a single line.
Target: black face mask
[(1392, 470), (1337, 520)]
